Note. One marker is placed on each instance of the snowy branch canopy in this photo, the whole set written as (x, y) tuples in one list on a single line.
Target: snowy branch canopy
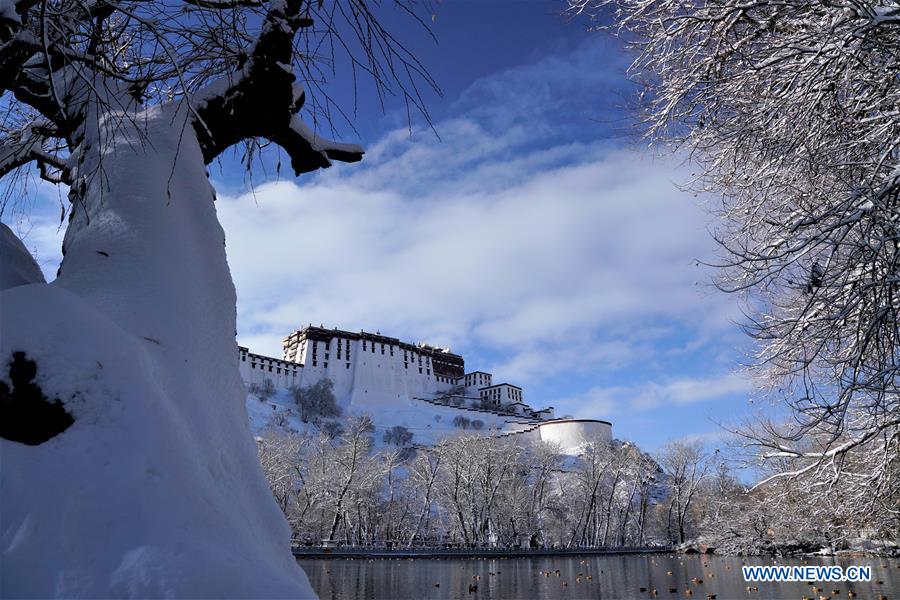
[(790, 113), (245, 69), (127, 102)]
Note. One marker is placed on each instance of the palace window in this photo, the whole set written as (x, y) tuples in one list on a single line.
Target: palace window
[(348, 365), (325, 365)]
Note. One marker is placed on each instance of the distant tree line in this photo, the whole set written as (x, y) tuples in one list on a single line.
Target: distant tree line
[(475, 490), (467, 490), (480, 490)]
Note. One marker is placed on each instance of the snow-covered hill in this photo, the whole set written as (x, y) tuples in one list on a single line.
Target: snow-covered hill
[(427, 421)]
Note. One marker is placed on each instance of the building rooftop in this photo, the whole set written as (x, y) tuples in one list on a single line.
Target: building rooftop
[(323, 334), (487, 387), (444, 362)]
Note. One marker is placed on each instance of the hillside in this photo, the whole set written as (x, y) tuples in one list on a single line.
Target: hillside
[(427, 421)]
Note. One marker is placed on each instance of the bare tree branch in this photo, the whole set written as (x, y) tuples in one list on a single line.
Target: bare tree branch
[(28, 145)]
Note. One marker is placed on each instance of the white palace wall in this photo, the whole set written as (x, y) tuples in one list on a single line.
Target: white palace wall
[(370, 376), (255, 369), (375, 376)]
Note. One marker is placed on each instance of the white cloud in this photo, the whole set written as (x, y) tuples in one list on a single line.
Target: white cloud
[(42, 236), (709, 437), (676, 392), (513, 235), (545, 266)]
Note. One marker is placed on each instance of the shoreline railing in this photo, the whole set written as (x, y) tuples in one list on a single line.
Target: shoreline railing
[(347, 551)]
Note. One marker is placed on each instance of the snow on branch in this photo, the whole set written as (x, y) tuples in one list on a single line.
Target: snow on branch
[(329, 148), (239, 73), (28, 145), (309, 151), (262, 99), (789, 114)]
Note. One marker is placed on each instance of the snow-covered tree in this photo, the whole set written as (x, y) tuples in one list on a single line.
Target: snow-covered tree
[(483, 491), (461, 422), (789, 113), (591, 472), (685, 466), (278, 456), (263, 391), (153, 489), (316, 401), (398, 435)]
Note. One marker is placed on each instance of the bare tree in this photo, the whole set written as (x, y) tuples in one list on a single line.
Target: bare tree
[(590, 474), (482, 491), (352, 459), (685, 466), (263, 391), (641, 471), (278, 455), (788, 111), (422, 474)]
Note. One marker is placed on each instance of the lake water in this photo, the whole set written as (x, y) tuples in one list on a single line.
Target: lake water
[(594, 577)]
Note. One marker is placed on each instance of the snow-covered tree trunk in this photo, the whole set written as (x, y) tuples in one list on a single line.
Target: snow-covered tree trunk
[(155, 489), (128, 466)]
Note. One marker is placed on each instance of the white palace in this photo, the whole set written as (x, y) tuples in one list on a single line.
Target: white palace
[(378, 371)]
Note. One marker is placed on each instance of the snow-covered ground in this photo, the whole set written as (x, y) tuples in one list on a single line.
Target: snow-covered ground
[(426, 421)]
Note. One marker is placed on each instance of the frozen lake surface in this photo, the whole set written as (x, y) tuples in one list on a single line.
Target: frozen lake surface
[(620, 576)]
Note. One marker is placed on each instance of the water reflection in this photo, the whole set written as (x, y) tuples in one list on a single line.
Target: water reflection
[(571, 578)]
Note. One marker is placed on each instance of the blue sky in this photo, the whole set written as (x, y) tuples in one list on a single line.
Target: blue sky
[(533, 236)]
